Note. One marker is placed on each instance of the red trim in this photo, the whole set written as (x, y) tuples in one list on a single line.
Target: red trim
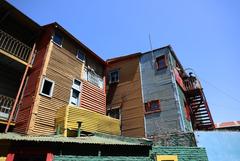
[(49, 157), (164, 58), (10, 157), (148, 108)]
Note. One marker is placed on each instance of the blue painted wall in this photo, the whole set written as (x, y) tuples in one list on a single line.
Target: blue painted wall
[(220, 145)]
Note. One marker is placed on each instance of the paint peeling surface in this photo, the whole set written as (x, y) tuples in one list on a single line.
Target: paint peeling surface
[(220, 145)]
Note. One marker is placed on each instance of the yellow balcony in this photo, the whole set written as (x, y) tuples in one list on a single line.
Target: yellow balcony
[(67, 119)]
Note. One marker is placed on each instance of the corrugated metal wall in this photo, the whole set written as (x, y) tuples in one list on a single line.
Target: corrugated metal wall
[(158, 85)]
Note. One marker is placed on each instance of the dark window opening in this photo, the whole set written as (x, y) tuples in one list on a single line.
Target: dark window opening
[(58, 39), (114, 113), (80, 55), (161, 62), (114, 76), (47, 87), (152, 106)]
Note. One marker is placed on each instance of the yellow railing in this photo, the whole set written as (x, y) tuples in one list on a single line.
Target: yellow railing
[(67, 119), (14, 47), (6, 104)]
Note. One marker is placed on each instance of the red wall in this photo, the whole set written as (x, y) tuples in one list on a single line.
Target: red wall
[(25, 108)]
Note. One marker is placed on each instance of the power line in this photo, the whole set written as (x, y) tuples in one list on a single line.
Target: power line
[(222, 91)]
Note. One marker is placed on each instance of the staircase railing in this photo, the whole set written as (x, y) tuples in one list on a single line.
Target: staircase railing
[(191, 83), (14, 47)]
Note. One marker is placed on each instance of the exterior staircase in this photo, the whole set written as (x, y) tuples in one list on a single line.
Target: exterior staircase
[(200, 114)]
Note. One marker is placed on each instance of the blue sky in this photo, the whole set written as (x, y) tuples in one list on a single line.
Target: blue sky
[(205, 34)]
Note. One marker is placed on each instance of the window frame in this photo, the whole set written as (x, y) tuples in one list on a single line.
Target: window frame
[(164, 57), (148, 105), (78, 50), (79, 90), (114, 108), (51, 90), (59, 45), (116, 81)]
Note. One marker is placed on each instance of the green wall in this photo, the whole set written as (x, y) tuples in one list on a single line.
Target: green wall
[(183, 153), (96, 158)]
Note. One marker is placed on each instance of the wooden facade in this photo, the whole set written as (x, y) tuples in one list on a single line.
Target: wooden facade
[(60, 65), (67, 119), (126, 95)]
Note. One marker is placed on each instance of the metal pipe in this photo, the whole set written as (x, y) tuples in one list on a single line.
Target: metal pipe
[(20, 89), (79, 128)]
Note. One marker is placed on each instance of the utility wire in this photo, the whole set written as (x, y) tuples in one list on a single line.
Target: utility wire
[(222, 91)]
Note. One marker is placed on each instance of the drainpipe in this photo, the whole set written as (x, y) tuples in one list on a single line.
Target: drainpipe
[(79, 128), (20, 89)]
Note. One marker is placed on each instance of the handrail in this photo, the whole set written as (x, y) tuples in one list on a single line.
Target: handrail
[(14, 47), (192, 83), (6, 104)]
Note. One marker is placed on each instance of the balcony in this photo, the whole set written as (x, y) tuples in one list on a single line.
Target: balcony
[(6, 104), (67, 119), (13, 48), (93, 78)]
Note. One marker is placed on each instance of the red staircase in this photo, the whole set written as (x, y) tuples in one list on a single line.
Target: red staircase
[(200, 114)]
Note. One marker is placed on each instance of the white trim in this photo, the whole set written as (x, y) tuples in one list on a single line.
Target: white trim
[(79, 90), (57, 43), (52, 87)]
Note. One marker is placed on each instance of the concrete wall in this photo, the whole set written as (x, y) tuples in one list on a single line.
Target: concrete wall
[(158, 84), (220, 145)]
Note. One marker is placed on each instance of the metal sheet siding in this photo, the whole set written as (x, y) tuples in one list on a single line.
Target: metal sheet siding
[(158, 85)]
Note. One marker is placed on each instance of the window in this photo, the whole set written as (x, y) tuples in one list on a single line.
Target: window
[(161, 62), (152, 106), (167, 158), (80, 55), (58, 39), (47, 87), (114, 113), (114, 76), (75, 93)]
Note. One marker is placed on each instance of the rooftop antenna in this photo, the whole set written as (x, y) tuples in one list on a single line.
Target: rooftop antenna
[(150, 43)]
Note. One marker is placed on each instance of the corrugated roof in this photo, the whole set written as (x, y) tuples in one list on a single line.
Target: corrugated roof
[(95, 139), (227, 124)]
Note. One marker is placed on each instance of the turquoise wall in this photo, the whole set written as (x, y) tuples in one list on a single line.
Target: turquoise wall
[(220, 145)]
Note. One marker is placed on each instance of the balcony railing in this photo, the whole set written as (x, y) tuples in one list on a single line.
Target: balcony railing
[(14, 47), (6, 104), (93, 78), (192, 83)]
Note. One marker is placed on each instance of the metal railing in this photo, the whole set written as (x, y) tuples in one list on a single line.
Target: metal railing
[(14, 46), (6, 104), (192, 83)]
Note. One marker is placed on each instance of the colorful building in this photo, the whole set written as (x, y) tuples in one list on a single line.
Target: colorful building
[(60, 101), (154, 89)]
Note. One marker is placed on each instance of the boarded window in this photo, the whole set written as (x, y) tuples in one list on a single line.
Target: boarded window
[(161, 62)]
